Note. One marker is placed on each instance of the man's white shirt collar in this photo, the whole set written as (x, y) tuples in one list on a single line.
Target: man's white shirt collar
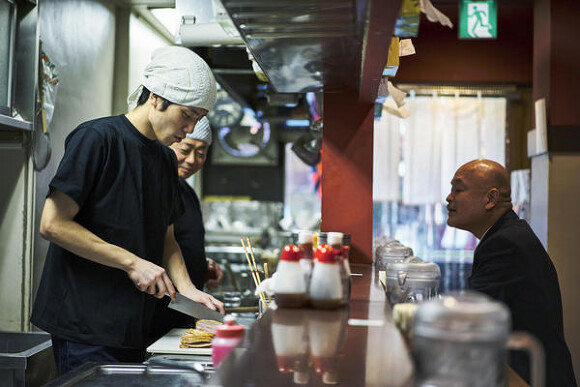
[(483, 236)]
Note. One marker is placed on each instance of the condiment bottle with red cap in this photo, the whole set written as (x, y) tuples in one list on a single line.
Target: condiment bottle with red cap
[(325, 290), (227, 337), (290, 284)]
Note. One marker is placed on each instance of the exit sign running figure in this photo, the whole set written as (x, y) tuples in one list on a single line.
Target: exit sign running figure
[(478, 19)]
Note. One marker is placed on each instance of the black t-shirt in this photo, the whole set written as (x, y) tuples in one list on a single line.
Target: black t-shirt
[(126, 187), (190, 234)]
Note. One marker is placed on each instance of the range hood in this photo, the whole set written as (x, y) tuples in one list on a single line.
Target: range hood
[(317, 45), (299, 45), (205, 23)]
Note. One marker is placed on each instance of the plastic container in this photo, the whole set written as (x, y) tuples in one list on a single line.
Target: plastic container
[(305, 244), (346, 246), (322, 238), (462, 338), (335, 240), (412, 281), (393, 252), (227, 337), (325, 290), (26, 359), (379, 243), (290, 285)]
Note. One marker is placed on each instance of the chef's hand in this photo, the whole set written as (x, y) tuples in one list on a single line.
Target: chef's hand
[(214, 274), (150, 278), (206, 299)]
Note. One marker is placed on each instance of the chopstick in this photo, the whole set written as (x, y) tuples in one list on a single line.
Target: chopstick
[(253, 259), (256, 268), (254, 271), (266, 276)]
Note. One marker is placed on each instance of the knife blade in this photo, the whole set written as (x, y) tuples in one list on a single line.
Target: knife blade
[(191, 308)]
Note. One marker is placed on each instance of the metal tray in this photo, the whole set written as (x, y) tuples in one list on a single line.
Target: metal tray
[(127, 375)]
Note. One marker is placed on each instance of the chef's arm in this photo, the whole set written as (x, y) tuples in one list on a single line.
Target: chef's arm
[(173, 261), (214, 274), (58, 226)]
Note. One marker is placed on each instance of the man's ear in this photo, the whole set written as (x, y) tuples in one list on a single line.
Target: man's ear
[(154, 99), (492, 198)]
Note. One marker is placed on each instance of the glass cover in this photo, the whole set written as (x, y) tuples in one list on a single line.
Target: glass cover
[(414, 269), (463, 316)]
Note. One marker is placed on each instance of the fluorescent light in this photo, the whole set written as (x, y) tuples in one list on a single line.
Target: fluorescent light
[(297, 123), (169, 17)]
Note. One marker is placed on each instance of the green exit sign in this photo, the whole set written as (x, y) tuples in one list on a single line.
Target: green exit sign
[(478, 19)]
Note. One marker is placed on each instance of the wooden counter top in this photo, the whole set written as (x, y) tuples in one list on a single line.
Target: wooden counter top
[(354, 346)]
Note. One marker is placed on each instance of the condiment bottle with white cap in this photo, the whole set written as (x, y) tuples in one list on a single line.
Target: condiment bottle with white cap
[(335, 240), (227, 337), (290, 285), (325, 290), (305, 244)]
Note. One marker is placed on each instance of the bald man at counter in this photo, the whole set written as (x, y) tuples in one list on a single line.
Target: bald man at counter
[(510, 264)]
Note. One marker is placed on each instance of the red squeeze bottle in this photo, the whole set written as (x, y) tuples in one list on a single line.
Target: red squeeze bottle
[(227, 337)]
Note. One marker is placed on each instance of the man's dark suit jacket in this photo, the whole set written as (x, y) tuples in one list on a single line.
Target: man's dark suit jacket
[(511, 265)]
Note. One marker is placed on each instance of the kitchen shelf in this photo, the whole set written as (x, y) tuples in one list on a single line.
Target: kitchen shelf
[(9, 123)]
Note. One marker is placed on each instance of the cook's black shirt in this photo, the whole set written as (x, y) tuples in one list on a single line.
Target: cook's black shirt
[(126, 187), (189, 233)]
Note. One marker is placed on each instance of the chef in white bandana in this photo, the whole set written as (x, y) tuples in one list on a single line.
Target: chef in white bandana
[(191, 154), (109, 216)]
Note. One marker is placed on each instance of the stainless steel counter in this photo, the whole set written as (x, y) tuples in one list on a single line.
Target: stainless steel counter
[(358, 345), (124, 375), (353, 346)]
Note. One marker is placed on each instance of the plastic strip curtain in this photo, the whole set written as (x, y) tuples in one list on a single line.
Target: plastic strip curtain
[(441, 134), (424, 150)]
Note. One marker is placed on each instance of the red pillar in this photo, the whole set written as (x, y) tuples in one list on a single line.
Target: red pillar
[(347, 171), (555, 187), (556, 59)]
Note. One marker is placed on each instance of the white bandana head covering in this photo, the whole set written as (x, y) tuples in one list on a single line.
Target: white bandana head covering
[(180, 76), (201, 132)]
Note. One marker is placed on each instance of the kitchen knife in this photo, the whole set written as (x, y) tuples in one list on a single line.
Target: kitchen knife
[(191, 308)]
